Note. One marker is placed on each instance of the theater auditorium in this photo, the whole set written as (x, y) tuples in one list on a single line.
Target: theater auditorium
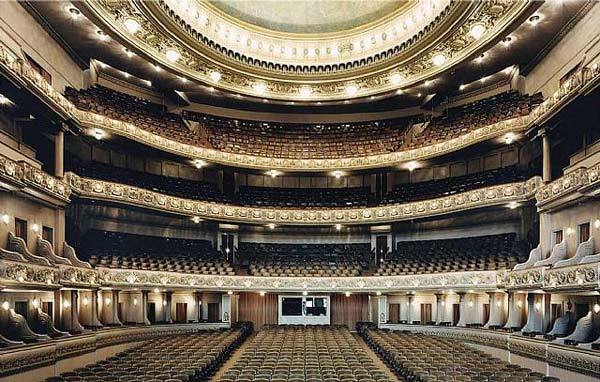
[(300, 190)]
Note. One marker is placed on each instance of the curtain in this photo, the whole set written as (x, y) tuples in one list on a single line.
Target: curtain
[(349, 310), (260, 310)]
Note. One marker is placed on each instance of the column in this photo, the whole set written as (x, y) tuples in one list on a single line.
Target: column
[(226, 308), (516, 306), (382, 310), (410, 306), (497, 310), (440, 308), (59, 153), (167, 303), (538, 313), (70, 318), (110, 308), (88, 310), (546, 157), (462, 311), (144, 308), (198, 306)]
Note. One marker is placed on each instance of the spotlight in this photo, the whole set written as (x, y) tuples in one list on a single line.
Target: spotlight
[(596, 308), (35, 303), (509, 138), (199, 163), (196, 219), (35, 228), (129, 53), (412, 165), (596, 223), (378, 293)]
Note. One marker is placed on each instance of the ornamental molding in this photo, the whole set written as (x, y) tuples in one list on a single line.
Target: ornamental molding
[(571, 358), (153, 40), (18, 69), (485, 197), (569, 187)]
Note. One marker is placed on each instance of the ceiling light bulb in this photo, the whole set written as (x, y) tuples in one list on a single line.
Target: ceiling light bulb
[(74, 13), (506, 40), (396, 78), (157, 68), (271, 226), (351, 90), (101, 35), (412, 165), (35, 228), (261, 293), (477, 30), (66, 304), (183, 79), (134, 301), (304, 293), (196, 219), (6, 219), (438, 59), (337, 174), (378, 293), (156, 290), (5, 305), (273, 173), (512, 205), (596, 224), (132, 25), (347, 294), (534, 20), (305, 91), (509, 138), (215, 76), (199, 163), (35, 303), (129, 53), (260, 87), (462, 87), (126, 74), (172, 55), (86, 301), (338, 227), (596, 308), (229, 292)]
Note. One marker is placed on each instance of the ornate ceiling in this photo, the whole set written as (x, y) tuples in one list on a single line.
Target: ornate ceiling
[(307, 50)]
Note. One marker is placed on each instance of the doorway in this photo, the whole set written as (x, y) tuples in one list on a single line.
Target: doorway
[(394, 313), (151, 312), (425, 313), (213, 312), (455, 314), (181, 312)]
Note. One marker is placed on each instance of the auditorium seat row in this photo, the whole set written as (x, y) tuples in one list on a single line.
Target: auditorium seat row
[(179, 358), (417, 358), (131, 251), (300, 141), (305, 260), (491, 252), (304, 353), (306, 197)]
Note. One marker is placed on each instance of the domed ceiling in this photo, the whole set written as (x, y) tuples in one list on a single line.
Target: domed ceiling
[(310, 16), (307, 50)]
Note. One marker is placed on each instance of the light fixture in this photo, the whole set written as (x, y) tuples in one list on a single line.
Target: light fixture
[(196, 219), (479, 59), (519, 304), (338, 227), (483, 79), (273, 173), (537, 306), (509, 138), (126, 74), (512, 205), (399, 92), (132, 25), (378, 293), (157, 68), (412, 165), (4, 100), (338, 174), (477, 30), (305, 91), (6, 219), (428, 83), (128, 52), (227, 250), (470, 304), (5, 305), (498, 303), (462, 87), (215, 76), (596, 308), (271, 226), (102, 64), (347, 294), (396, 78), (101, 35), (35, 303), (261, 293), (86, 301), (66, 304), (199, 163), (98, 134), (229, 292), (172, 55), (507, 40), (183, 79), (74, 13), (107, 301), (534, 20), (35, 228), (438, 59), (351, 90), (304, 293), (21, 279), (443, 303), (156, 290), (596, 223), (260, 87), (134, 301), (569, 231), (164, 302)]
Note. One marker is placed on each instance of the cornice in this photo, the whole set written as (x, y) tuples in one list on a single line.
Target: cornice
[(152, 43), (134, 196), (572, 186), (13, 66)]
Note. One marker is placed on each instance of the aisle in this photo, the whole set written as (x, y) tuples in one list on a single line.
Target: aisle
[(376, 360), (233, 358)]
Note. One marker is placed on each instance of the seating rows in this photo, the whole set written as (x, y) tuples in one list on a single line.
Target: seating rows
[(491, 252), (295, 354), (179, 358), (305, 260), (147, 115), (130, 251), (180, 187), (306, 197), (301, 141), (460, 120), (418, 357), (454, 185)]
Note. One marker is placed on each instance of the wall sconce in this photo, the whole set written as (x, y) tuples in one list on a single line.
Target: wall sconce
[(164, 302), (35, 303), (596, 308), (596, 223), (229, 292), (85, 301), (66, 304), (470, 304), (134, 301), (107, 301), (5, 305), (21, 279), (261, 293), (156, 290), (537, 306), (304, 293), (569, 231), (347, 294), (443, 303), (498, 303), (5, 218), (35, 228), (378, 293), (519, 304)]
